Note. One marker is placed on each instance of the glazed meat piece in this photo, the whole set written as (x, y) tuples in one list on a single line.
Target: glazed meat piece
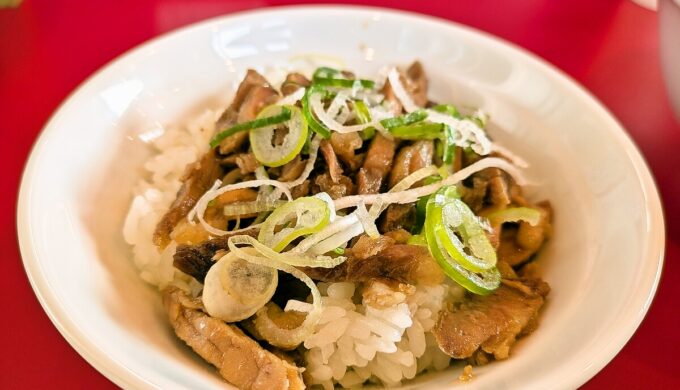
[(491, 323), (518, 243), (403, 263), (197, 179), (416, 83), (377, 165), (293, 82), (253, 94), (196, 260), (334, 168), (410, 159), (239, 359), (398, 216), (344, 146), (343, 187)]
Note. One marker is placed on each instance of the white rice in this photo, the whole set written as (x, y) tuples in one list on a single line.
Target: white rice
[(354, 343), (176, 147)]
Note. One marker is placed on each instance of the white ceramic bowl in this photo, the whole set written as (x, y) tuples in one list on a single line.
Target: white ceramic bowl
[(603, 262)]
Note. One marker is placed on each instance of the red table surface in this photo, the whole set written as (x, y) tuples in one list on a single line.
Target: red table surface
[(48, 47)]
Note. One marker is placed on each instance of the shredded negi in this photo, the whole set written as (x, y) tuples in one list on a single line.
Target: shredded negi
[(338, 189)]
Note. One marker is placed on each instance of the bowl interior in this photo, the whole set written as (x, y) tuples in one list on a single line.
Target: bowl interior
[(602, 263)]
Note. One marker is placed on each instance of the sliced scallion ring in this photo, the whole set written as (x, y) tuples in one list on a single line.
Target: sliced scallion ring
[(447, 217), (314, 124), (305, 216), (404, 120), (261, 121), (261, 138), (459, 231)]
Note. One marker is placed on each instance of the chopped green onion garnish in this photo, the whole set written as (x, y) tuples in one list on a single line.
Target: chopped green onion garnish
[(404, 120), (339, 251), (449, 146), (417, 239), (309, 214), (418, 131), (343, 83), (324, 72), (360, 109), (458, 243), (447, 109), (276, 155), (283, 116), (314, 124)]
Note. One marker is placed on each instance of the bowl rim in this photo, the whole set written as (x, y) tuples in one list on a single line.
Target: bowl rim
[(123, 377)]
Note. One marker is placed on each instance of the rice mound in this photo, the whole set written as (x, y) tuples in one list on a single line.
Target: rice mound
[(353, 342), (174, 149)]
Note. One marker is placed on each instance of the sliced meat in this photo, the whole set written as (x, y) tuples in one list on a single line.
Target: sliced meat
[(247, 163), (293, 169), (518, 243), (293, 82), (344, 146), (491, 323), (301, 190), (324, 183), (334, 168), (239, 359), (474, 196), (416, 83), (197, 179), (410, 159), (377, 165), (366, 246), (400, 236), (404, 263), (253, 94), (196, 260), (398, 216)]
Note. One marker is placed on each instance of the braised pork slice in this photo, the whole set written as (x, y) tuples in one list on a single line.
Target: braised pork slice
[(345, 146), (492, 323), (403, 263), (377, 165), (197, 179), (196, 260), (334, 168), (239, 359), (253, 94)]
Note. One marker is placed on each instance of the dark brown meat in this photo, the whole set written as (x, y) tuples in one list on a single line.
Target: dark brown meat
[(410, 159), (377, 165), (403, 263), (345, 146), (253, 94), (293, 82), (324, 183), (474, 196), (519, 243), (239, 359), (416, 83), (491, 323), (398, 216), (334, 168), (196, 260), (293, 169), (300, 190), (197, 179)]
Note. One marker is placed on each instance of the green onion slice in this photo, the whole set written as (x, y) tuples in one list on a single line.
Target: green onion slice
[(343, 83), (261, 138), (314, 124), (418, 131), (261, 121), (298, 218), (404, 120), (469, 260)]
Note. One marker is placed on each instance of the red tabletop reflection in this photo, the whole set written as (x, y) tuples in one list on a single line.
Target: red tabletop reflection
[(48, 47)]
